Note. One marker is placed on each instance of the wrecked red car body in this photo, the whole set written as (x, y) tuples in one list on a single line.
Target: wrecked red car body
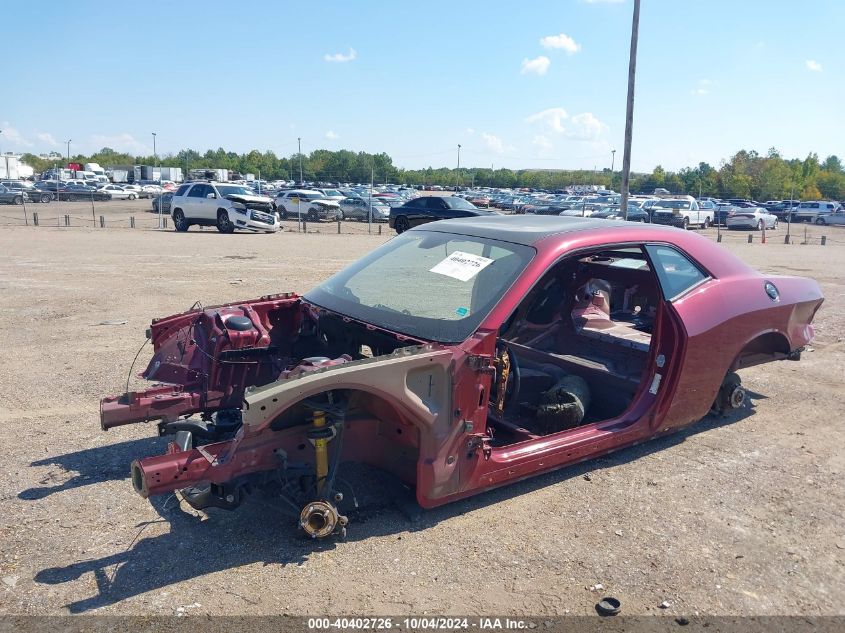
[(460, 356)]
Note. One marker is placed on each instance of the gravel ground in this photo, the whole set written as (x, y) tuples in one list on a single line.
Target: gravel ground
[(741, 515)]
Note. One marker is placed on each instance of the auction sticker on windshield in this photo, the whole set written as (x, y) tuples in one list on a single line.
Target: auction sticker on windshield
[(461, 266)]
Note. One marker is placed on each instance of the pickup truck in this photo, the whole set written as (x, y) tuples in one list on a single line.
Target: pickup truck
[(814, 211), (682, 212)]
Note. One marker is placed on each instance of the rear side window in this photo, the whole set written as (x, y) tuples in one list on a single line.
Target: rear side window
[(181, 191), (676, 272)]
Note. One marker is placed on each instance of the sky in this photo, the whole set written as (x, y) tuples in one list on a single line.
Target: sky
[(538, 84)]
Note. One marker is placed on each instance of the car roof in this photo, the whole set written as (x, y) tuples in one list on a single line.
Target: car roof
[(548, 233), (529, 229)]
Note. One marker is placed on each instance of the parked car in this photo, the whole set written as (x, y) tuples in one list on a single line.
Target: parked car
[(581, 210), (813, 211), (359, 209), (163, 201), (682, 212), (80, 192), (33, 194), (784, 209), (458, 357), (138, 190), (228, 207), (837, 217), (116, 192), (429, 209), (752, 218), (11, 196), (308, 204), (331, 194)]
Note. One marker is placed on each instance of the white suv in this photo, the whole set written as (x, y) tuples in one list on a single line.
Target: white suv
[(307, 204), (228, 207)]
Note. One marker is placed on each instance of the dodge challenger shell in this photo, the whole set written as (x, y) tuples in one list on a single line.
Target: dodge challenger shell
[(459, 356)]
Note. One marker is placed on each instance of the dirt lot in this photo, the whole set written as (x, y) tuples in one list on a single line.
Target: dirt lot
[(742, 515)]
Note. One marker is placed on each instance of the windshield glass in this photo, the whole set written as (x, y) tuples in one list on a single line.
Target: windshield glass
[(673, 204), (234, 190), (459, 203), (434, 286), (332, 192)]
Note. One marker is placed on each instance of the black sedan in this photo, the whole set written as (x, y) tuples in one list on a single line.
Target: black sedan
[(80, 192), (162, 202), (430, 208)]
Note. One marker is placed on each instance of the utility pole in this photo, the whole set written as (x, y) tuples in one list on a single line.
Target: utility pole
[(155, 157), (629, 112), (612, 164), (458, 174), (299, 145), (68, 149)]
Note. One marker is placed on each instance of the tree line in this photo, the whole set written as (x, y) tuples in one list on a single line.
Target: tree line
[(746, 175)]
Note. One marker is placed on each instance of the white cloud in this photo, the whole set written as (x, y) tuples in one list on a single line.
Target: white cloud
[(340, 57), (124, 142), (813, 65), (45, 137), (331, 135), (586, 126), (537, 66), (542, 144), (12, 136), (552, 117), (470, 130), (494, 143), (702, 87), (561, 41)]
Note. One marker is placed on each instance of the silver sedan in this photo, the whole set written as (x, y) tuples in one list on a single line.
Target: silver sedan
[(359, 209), (752, 218)]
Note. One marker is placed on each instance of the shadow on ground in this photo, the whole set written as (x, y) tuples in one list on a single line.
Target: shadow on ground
[(92, 465), (261, 532)]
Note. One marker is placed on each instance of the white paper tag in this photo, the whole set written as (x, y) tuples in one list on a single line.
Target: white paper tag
[(462, 266)]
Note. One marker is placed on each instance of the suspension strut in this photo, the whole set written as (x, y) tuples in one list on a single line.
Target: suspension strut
[(320, 518)]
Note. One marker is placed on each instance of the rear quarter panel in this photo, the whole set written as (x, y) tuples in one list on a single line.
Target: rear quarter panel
[(721, 318)]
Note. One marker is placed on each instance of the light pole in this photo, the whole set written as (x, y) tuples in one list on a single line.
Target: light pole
[(155, 158), (299, 145), (68, 149), (458, 173), (612, 164), (629, 111)]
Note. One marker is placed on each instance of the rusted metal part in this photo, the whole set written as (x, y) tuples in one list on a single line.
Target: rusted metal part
[(503, 363), (320, 519)]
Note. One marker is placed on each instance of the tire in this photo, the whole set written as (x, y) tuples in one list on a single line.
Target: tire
[(686, 224), (401, 224), (18, 200), (706, 223), (820, 221), (224, 224), (179, 221), (45, 198), (131, 196), (340, 216), (760, 225), (775, 225), (312, 216)]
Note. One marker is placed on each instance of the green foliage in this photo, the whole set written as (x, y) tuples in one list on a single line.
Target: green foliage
[(746, 175)]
